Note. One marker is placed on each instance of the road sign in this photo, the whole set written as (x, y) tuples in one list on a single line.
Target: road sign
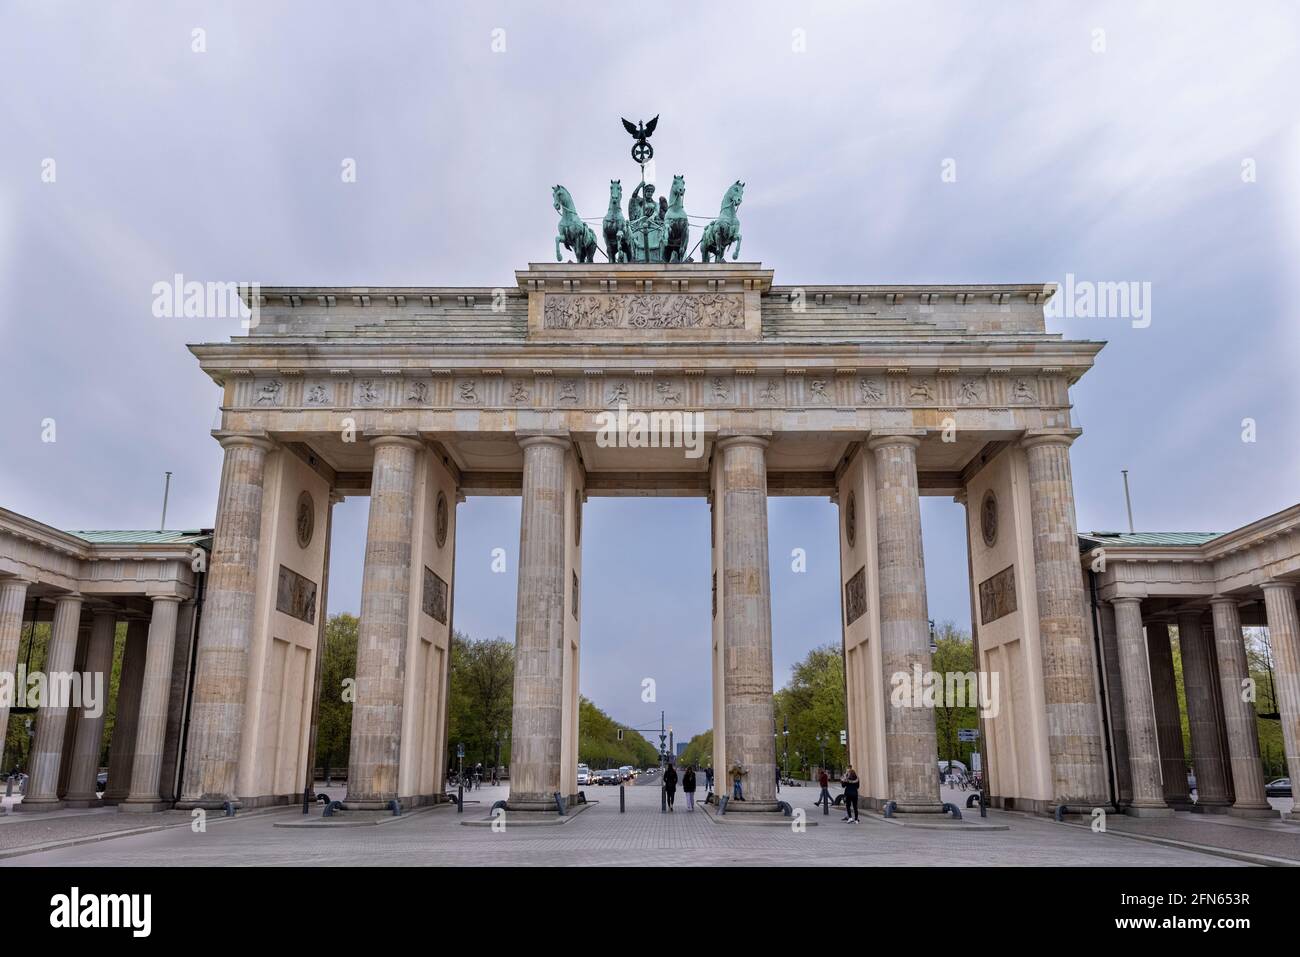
[(844, 736), (460, 750), (968, 734)]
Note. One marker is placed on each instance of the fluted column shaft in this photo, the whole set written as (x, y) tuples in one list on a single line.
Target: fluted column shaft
[(1207, 758), (121, 748), (90, 730), (13, 599), (1238, 712), (747, 620), (155, 692), (1169, 721), (535, 737), (1284, 639), (226, 633), (52, 715), (385, 618), (1074, 738), (1140, 716), (911, 749)]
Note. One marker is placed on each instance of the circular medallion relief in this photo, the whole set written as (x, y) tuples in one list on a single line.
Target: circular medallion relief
[(440, 520), (305, 519), (851, 519), (989, 518), (577, 517)]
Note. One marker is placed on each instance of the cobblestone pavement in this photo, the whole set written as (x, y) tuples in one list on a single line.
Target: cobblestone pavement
[(602, 836)]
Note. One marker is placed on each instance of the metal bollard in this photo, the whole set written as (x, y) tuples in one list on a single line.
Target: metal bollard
[(229, 808), (460, 797), (9, 786), (620, 799), (306, 800), (559, 803), (396, 807), (663, 800)]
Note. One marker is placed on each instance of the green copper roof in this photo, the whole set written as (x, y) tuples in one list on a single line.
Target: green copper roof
[(130, 537), (1139, 539)]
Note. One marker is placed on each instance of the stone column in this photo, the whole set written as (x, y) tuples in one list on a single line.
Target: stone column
[(385, 616), (121, 748), (322, 628), (539, 628), (747, 622), (1139, 715), (151, 725), (1114, 696), (226, 632), (1207, 758), (911, 749), (13, 601), (52, 716), (1169, 721), (90, 730), (1074, 738), (1238, 714), (1284, 639)]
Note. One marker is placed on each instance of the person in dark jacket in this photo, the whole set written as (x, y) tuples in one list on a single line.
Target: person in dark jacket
[(850, 781), (688, 787), (824, 780), (670, 784)]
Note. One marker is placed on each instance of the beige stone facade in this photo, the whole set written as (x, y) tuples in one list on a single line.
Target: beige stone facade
[(871, 395)]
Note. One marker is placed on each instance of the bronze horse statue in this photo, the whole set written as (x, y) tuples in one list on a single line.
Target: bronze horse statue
[(617, 247), (573, 232), (677, 228), (724, 230)]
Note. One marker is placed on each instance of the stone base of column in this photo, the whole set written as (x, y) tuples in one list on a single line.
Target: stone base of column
[(1254, 810), (367, 804), (38, 806), (750, 807), (82, 802), (1215, 808), (143, 807), (1148, 810), (207, 803)]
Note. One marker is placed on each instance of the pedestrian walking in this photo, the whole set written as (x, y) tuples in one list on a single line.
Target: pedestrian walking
[(688, 787), (670, 784), (708, 778), (824, 780), (851, 795)]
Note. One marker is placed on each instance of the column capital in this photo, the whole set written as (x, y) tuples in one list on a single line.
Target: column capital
[(1035, 438), (157, 598), (560, 439), (105, 612), (910, 437), (1223, 600), (728, 440), (69, 596), (1278, 585), (1126, 600), (406, 441), (249, 439)]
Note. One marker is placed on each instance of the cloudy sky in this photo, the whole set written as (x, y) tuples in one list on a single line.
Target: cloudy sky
[(1121, 142)]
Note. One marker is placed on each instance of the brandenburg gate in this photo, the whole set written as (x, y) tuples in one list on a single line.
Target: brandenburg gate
[(871, 395)]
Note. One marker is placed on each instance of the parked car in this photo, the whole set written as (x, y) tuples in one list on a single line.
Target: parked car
[(1278, 788)]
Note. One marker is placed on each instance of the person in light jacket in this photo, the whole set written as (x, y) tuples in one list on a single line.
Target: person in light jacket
[(688, 787)]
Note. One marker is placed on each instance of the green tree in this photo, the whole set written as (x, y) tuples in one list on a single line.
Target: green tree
[(955, 656), (337, 691), (482, 697), (599, 745), (812, 704), (699, 750)]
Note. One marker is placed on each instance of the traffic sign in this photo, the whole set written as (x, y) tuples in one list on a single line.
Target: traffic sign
[(968, 734)]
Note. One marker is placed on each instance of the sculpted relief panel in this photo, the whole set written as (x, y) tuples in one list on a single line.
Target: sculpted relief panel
[(667, 311)]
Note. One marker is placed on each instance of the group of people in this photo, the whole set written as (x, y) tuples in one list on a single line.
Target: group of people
[(474, 777), (688, 784), (851, 783)]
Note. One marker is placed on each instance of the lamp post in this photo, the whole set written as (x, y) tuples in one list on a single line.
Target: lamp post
[(785, 759)]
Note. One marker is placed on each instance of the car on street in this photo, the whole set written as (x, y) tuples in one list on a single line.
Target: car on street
[(584, 775), (611, 776), (1278, 788), (626, 770)]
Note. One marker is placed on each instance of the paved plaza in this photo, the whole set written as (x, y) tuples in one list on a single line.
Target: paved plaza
[(600, 836)]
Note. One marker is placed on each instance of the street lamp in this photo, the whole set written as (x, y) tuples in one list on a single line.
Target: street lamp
[(934, 644)]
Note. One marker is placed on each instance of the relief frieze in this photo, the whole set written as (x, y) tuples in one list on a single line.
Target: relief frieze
[(664, 311)]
